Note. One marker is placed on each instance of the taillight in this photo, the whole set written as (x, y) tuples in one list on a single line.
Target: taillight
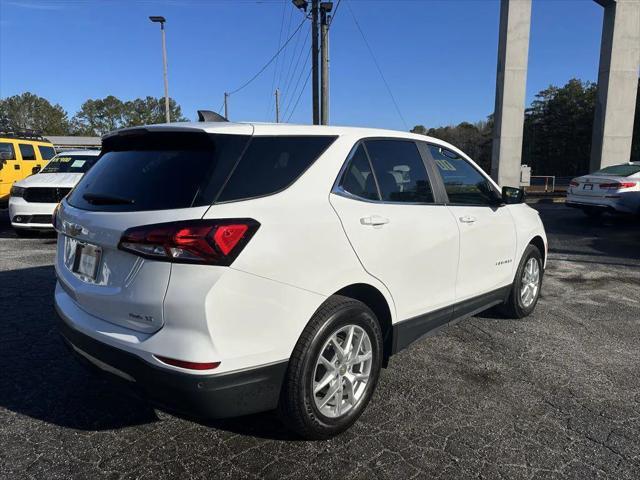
[(212, 242), (617, 185), (188, 365), (573, 183)]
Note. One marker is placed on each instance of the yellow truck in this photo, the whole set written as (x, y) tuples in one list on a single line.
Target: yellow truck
[(22, 153)]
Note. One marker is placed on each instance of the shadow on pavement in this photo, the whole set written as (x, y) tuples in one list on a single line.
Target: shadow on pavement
[(570, 232), (41, 379)]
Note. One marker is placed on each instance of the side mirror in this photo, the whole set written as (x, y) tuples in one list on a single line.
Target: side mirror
[(511, 195), (4, 156)]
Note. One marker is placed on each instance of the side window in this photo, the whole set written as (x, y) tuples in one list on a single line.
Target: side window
[(46, 152), (27, 151), (463, 183), (358, 179), (400, 171), (271, 164), (6, 147)]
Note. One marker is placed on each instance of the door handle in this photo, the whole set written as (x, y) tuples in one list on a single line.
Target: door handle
[(16, 167), (467, 219), (374, 220)]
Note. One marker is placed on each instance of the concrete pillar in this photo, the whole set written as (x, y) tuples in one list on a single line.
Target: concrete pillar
[(617, 83), (511, 83)]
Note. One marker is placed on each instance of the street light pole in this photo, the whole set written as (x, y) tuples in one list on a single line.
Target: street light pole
[(161, 21)]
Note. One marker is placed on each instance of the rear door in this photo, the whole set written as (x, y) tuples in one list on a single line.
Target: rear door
[(30, 163), (140, 180), (401, 235), (487, 232)]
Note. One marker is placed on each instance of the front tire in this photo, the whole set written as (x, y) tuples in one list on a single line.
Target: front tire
[(333, 370), (525, 290)]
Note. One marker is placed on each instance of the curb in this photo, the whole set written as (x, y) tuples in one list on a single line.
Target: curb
[(546, 200)]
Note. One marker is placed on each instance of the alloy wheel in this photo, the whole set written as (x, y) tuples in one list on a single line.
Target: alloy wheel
[(530, 282), (342, 371)]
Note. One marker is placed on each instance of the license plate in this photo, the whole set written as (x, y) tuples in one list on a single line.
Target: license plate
[(87, 260), (588, 186)]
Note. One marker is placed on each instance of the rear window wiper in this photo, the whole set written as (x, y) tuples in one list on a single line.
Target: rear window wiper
[(100, 199)]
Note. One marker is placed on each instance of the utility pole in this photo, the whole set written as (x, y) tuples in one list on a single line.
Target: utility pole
[(314, 62), (226, 105), (277, 105), (325, 8), (161, 21)]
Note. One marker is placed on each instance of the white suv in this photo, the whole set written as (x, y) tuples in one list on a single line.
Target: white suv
[(34, 198), (224, 269)]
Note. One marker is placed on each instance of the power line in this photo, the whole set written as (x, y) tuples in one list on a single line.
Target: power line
[(335, 11), (270, 60), (377, 65), (288, 76), (285, 55), (295, 68), (299, 96), (275, 68), (295, 89)]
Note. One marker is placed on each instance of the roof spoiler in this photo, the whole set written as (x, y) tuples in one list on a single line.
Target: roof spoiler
[(209, 116)]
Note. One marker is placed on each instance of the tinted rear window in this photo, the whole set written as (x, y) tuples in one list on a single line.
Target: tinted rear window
[(70, 164), (158, 171), (271, 164)]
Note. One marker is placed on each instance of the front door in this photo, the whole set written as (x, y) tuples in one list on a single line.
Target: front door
[(487, 231), (399, 233)]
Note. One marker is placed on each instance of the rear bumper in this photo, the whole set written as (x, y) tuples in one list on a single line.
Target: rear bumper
[(622, 204), (204, 396)]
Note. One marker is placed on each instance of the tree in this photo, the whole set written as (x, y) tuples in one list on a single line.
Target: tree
[(472, 139), (150, 110), (419, 129), (29, 111), (558, 127), (99, 116)]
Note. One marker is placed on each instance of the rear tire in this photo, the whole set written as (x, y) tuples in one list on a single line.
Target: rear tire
[(342, 378), (524, 294)]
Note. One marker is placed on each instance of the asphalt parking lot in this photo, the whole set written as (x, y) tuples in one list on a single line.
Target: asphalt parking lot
[(556, 395)]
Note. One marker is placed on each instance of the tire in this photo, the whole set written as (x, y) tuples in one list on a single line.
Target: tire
[(299, 406), (515, 306)]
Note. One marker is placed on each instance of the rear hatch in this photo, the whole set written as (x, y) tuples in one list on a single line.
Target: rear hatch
[(143, 177)]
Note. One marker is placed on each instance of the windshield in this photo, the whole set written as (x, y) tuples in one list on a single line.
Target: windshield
[(70, 164), (619, 170)]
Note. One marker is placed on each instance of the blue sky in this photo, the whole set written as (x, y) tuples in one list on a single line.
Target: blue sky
[(438, 56)]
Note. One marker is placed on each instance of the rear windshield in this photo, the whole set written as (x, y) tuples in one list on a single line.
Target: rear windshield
[(619, 170), (158, 171), (70, 164)]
